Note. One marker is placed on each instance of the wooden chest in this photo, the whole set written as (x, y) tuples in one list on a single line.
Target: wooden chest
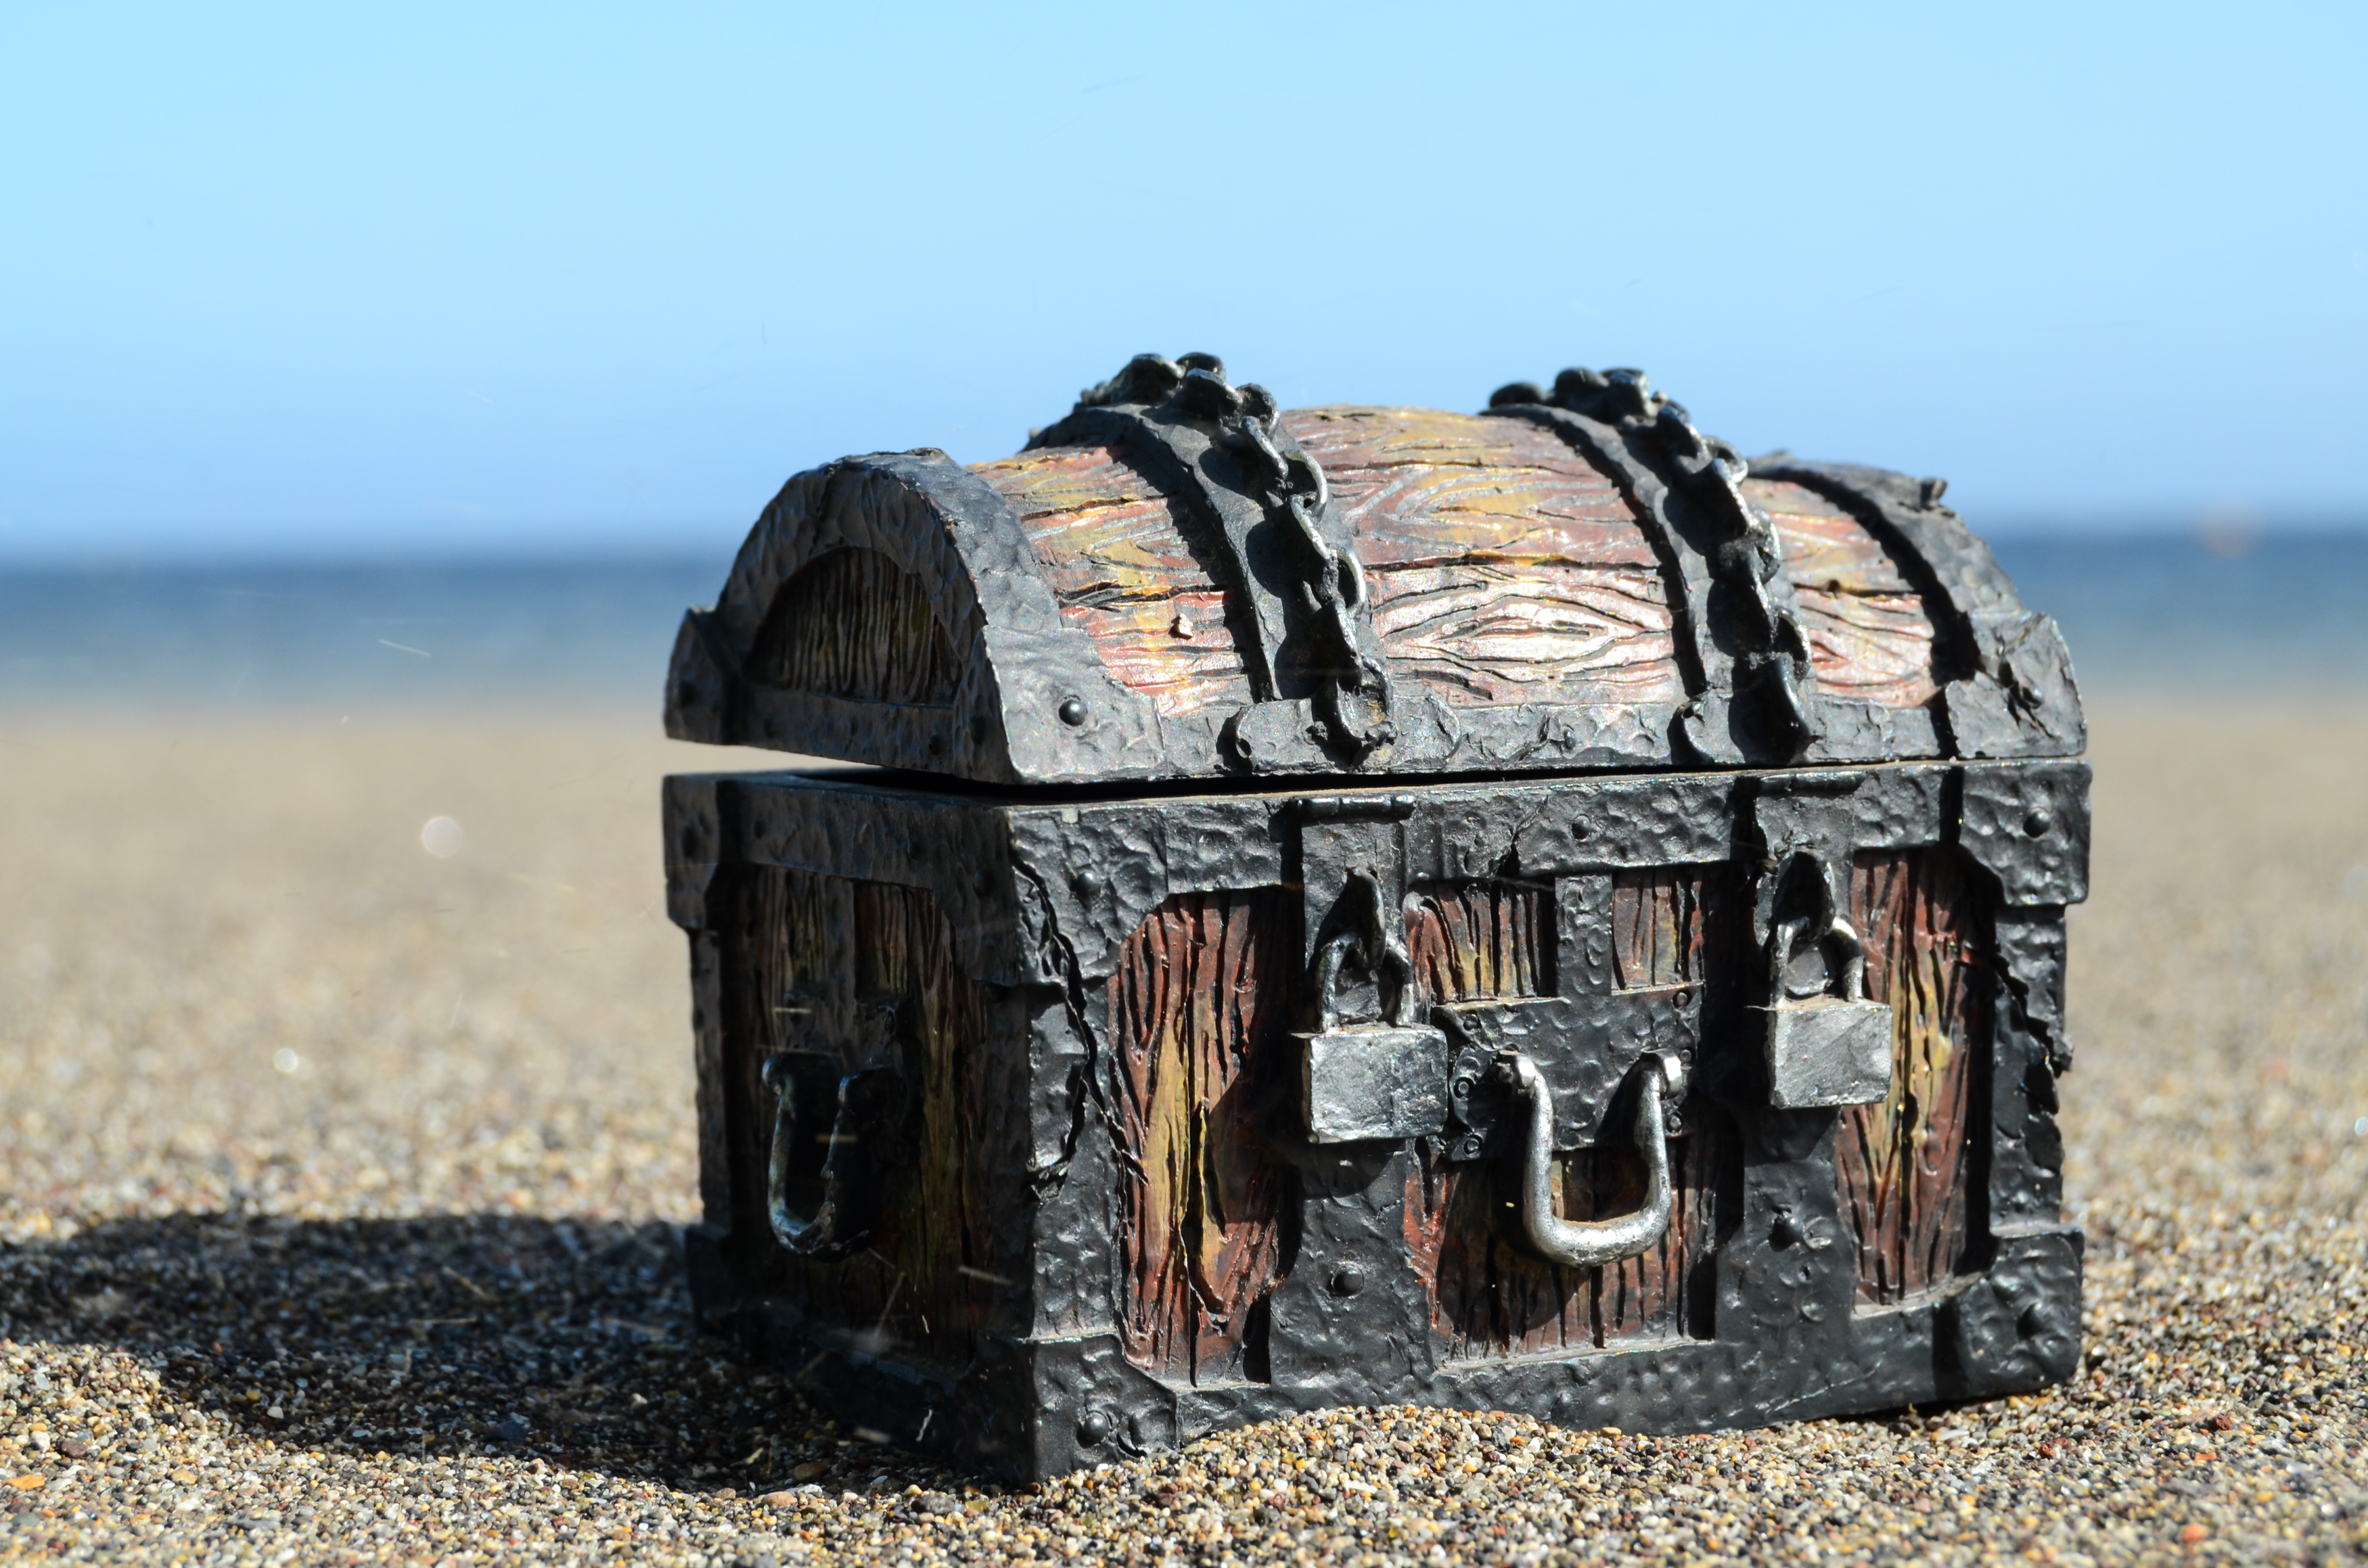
[(1357, 905)]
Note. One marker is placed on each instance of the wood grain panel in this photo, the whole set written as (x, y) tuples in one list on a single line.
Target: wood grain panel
[(1470, 940), (1490, 1294), (787, 979), (938, 1232), (1503, 567), (1869, 636), (1200, 1009), (1114, 548), (1908, 1167), (853, 624), (1665, 923)]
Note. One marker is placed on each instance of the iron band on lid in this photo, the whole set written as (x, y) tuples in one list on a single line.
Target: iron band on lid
[(1287, 552)]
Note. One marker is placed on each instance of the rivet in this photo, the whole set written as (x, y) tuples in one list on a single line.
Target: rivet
[(1460, 1088), (1090, 884), (1073, 711), (2037, 824), (982, 881), (1096, 1426), (1347, 1279), (1471, 1147)]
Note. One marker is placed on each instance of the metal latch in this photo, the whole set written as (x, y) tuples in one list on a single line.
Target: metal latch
[(1823, 1048)]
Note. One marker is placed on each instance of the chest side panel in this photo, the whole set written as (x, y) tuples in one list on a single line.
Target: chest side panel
[(854, 624), (807, 957), (1200, 1007), (1907, 1166)]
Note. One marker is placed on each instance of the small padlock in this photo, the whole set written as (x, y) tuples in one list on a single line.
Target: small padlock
[(1373, 1081), (1824, 1050), (1363, 1082)]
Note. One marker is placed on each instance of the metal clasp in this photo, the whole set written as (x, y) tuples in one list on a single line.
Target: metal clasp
[(1590, 1244)]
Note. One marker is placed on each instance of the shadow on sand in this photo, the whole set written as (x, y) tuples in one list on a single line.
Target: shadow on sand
[(446, 1335)]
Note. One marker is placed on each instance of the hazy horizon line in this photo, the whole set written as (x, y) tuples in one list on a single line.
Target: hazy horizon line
[(2220, 536)]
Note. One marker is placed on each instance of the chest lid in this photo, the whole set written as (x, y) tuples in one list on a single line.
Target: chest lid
[(1180, 580)]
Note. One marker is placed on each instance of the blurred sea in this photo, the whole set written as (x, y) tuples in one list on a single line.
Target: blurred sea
[(2279, 614)]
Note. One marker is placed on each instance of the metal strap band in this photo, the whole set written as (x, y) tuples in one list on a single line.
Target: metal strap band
[(1738, 543), (1197, 436), (2007, 681)]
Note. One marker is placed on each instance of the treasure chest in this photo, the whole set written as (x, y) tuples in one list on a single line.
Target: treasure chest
[(1520, 910)]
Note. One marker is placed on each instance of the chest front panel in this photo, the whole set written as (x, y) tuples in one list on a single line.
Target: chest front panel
[(1107, 1033)]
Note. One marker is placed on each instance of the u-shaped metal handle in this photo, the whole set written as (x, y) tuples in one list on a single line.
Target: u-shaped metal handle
[(1590, 1244), (799, 1232), (837, 1217)]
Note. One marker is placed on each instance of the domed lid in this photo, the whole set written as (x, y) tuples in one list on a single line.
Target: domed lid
[(1181, 580)]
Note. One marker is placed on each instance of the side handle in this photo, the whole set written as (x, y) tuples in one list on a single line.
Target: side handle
[(831, 1134)]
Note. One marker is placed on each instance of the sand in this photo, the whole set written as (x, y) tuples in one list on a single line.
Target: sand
[(339, 1188)]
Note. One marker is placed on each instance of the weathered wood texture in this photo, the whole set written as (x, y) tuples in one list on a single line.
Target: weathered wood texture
[(1668, 921), (1124, 572), (1490, 1295), (800, 950), (1869, 636), (1906, 1167), (1200, 1007), (1471, 941), (854, 624), (1504, 569)]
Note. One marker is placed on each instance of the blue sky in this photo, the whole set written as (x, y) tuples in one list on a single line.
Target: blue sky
[(349, 282)]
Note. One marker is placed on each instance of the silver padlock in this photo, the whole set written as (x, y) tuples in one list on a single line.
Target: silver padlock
[(1371, 1081), (1823, 1048)]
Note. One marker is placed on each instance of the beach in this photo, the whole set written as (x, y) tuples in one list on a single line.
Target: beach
[(341, 1185)]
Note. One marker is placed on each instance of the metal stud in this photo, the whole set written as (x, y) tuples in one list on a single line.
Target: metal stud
[(1095, 1425), (1073, 711), (1347, 1279)]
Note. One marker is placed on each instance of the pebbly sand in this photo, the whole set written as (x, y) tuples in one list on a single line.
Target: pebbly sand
[(339, 1185)]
